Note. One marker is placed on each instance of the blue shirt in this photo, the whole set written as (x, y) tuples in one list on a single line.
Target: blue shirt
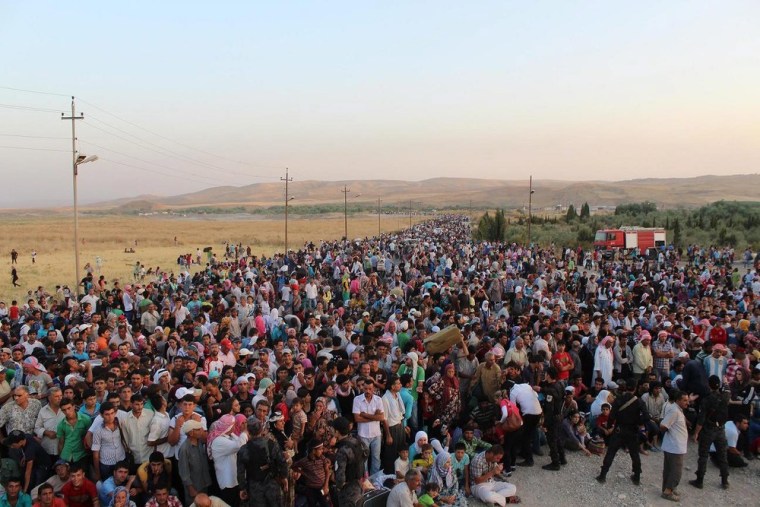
[(408, 400)]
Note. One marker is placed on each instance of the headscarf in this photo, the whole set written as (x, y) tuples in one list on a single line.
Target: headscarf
[(222, 426), (451, 382), (415, 447), (240, 424), (118, 490), (601, 398), (415, 359), (263, 385), (441, 475)]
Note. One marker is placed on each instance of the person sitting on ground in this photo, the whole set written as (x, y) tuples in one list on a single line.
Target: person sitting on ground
[(733, 429), (432, 490)]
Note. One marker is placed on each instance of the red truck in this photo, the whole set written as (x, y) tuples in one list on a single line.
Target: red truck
[(629, 238)]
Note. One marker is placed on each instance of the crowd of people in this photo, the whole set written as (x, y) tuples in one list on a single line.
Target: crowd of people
[(420, 366)]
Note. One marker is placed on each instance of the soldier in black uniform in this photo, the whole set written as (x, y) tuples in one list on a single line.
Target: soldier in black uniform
[(350, 459), (713, 413), (261, 467), (628, 414), (553, 398)]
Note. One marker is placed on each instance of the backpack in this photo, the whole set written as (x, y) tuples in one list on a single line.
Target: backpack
[(514, 420)]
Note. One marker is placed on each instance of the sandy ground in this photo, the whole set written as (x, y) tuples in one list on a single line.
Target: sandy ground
[(575, 484)]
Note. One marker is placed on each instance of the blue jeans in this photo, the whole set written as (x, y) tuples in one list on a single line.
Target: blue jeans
[(374, 452)]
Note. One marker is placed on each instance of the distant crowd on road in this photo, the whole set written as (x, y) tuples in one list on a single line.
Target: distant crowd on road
[(415, 368)]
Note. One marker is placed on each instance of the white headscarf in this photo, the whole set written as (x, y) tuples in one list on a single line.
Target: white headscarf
[(415, 359), (601, 398)]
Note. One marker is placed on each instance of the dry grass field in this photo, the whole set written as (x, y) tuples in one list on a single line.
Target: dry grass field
[(153, 239)]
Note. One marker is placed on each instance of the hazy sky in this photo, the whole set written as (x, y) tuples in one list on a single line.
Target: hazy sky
[(237, 91)]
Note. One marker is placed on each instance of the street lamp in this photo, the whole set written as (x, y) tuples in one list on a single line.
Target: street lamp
[(79, 160), (530, 206)]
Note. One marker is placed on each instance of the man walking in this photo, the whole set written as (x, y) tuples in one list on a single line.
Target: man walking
[(628, 413), (713, 413)]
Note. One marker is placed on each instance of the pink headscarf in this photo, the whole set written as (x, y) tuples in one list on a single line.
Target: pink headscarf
[(240, 423), (222, 426)]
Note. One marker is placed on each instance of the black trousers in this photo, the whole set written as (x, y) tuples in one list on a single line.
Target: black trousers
[(556, 449), (512, 443), (622, 437), (707, 437), (530, 423), (389, 453)]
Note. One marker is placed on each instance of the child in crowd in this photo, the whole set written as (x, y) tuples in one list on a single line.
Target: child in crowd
[(460, 464), (603, 428), (425, 461), (431, 493), (401, 465), (299, 421)]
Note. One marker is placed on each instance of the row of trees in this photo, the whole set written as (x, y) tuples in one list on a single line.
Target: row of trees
[(724, 223)]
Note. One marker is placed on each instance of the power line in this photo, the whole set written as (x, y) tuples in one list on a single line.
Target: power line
[(28, 108), (173, 140), (31, 149), (167, 152), (179, 172), (151, 170), (32, 137), (34, 91)]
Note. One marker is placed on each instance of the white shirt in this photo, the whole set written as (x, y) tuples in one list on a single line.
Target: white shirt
[(394, 408), (526, 398), (732, 435), (159, 428), (401, 496), (224, 450), (135, 432), (47, 420), (676, 438), (368, 429)]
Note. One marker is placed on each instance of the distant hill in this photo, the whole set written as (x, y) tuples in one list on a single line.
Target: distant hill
[(465, 192)]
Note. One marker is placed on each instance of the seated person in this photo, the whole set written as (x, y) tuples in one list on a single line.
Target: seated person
[(472, 444), (47, 497), (424, 461), (431, 494), (460, 464), (60, 478), (603, 425), (732, 429), (151, 474)]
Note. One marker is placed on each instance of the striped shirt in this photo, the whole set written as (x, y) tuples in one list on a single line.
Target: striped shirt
[(108, 443)]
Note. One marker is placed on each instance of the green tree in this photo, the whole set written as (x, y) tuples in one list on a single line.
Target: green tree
[(585, 211), (571, 214), (492, 228)]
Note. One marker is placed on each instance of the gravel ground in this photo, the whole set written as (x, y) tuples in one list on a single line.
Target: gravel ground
[(575, 484)]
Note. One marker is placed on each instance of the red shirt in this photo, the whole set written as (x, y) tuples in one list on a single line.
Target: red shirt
[(718, 335), (562, 359), (81, 496)]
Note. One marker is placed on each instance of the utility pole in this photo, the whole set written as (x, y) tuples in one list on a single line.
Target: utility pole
[(378, 216), (73, 119), (287, 180), (345, 191), (410, 214), (530, 205)]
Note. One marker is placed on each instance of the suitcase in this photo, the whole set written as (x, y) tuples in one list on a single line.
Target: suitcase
[(375, 498)]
